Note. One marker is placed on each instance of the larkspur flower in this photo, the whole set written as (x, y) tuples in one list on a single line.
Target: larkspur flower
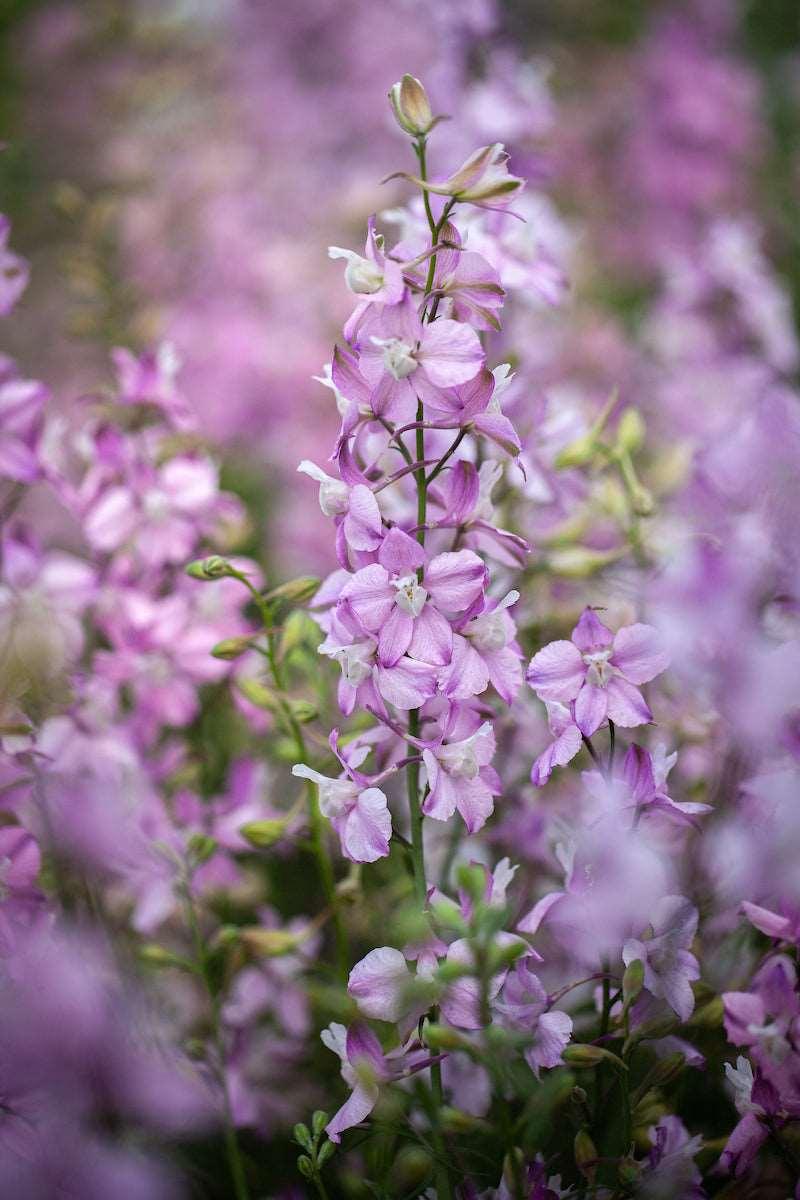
[(600, 672)]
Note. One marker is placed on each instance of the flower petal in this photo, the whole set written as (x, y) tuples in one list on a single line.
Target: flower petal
[(591, 708), (557, 671), (639, 653), (626, 704)]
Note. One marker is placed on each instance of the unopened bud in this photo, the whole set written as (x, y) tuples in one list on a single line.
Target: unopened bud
[(585, 1055), (410, 1170), (259, 694), (295, 591), (585, 1155), (318, 1122), (304, 711), (632, 982), (301, 1135), (631, 430), (577, 454), (233, 647), (708, 1016), (270, 943), (264, 833), (443, 1037), (212, 567), (471, 878), (411, 106), (577, 562)]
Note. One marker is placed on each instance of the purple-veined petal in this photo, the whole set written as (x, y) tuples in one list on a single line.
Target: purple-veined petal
[(408, 684), (626, 704), (639, 653), (432, 639), (557, 671), (379, 984), (590, 633), (366, 829), (455, 579), (395, 637), (591, 708), (400, 554), (362, 524), (451, 353)]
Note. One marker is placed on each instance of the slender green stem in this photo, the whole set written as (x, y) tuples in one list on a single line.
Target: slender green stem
[(415, 818), (315, 820), (232, 1151), (443, 1189)]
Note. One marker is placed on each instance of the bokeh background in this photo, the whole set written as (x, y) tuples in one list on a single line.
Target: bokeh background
[(176, 168)]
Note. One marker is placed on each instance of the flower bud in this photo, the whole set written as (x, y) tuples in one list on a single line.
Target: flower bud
[(632, 982), (318, 1122), (213, 567), (264, 833), (585, 1154), (304, 711), (302, 1136), (232, 647), (410, 1170), (585, 1055), (708, 1016), (471, 878), (411, 106), (631, 430), (259, 694), (295, 591), (443, 1037), (270, 943)]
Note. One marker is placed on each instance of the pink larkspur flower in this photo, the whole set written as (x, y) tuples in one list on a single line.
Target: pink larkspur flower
[(600, 672), (359, 815)]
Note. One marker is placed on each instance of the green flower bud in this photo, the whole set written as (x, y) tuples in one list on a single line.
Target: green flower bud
[(212, 567), (632, 982), (263, 834), (233, 647), (631, 430)]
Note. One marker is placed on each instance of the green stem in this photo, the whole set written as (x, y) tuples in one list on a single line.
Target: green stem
[(232, 1151), (443, 1189), (315, 821), (415, 818)]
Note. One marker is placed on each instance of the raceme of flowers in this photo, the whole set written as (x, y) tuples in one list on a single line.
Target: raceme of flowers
[(547, 760)]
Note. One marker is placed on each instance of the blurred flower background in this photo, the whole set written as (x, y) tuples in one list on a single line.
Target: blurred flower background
[(174, 172)]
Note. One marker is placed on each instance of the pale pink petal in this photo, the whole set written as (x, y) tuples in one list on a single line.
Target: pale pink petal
[(590, 633), (557, 671), (355, 1109), (770, 923), (553, 1031), (362, 524), (455, 579), (467, 674), (367, 828), (379, 984), (531, 921), (451, 353), (475, 802), (639, 653), (432, 639), (370, 596), (591, 708), (400, 554), (626, 704), (408, 684), (395, 636)]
